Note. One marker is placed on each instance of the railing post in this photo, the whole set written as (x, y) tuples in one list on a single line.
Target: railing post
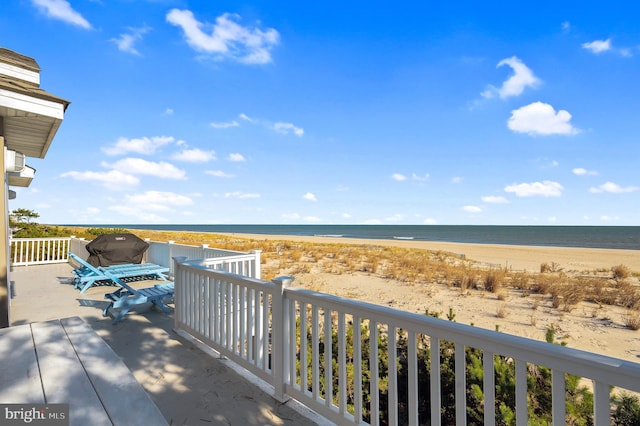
[(170, 250), (145, 255), (280, 337), (178, 288), (256, 273), (204, 248)]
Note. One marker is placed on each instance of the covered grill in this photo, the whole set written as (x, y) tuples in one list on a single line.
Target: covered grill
[(116, 249)]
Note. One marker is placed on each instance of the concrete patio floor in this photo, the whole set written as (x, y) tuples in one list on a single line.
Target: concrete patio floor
[(189, 386)]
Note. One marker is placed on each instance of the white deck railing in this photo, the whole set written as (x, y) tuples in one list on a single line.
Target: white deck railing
[(39, 251), (259, 325)]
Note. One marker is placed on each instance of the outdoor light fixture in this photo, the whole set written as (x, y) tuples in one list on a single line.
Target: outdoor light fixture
[(14, 161)]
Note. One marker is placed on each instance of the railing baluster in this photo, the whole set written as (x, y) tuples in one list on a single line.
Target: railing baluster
[(601, 404), (328, 359), (303, 347), (558, 397), (436, 399), (293, 330), (373, 363), (522, 411), (461, 384), (342, 364), (315, 354), (412, 391), (392, 371), (489, 387), (357, 369)]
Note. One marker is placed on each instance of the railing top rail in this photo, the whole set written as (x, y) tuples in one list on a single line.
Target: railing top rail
[(574, 361), (201, 265), (40, 239), (195, 246)]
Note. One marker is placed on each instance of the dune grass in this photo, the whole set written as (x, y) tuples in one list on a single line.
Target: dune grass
[(617, 286)]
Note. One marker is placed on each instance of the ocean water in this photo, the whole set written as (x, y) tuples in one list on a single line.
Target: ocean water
[(617, 237)]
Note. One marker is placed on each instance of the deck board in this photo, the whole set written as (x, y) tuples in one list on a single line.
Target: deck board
[(19, 367), (64, 379), (65, 361), (119, 391)]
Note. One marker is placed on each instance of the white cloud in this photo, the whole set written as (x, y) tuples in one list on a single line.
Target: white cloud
[(286, 128), (597, 46), (457, 179), (226, 39), (138, 166), (225, 125), (472, 209), (494, 199), (194, 155), (545, 188), (540, 118), (144, 145), (112, 179), (521, 79), (612, 188), (422, 178), (399, 177), (245, 117), (126, 42), (219, 173), (241, 195), (584, 172), (236, 157), (430, 221), (312, 219), (310, 196), (606, 218), (168, 111), (62, 10), (157, 200), (566, 27)]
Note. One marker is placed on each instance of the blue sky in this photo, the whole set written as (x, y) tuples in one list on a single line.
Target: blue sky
[(335, 112)]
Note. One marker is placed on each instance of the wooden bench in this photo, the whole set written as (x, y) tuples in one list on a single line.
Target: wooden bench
[(65, 362)]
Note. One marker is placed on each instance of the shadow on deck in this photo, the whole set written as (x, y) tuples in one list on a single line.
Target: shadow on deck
[(189, 386)]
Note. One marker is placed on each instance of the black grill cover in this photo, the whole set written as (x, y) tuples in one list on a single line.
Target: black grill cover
[(116, 249)]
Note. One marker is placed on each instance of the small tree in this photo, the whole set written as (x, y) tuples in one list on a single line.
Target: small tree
[(24, 215)]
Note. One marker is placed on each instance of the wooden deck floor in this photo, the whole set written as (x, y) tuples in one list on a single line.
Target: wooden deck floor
[(65, 362)]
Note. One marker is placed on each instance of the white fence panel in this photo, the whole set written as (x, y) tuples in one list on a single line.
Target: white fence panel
[(299, 340), (39, 251)]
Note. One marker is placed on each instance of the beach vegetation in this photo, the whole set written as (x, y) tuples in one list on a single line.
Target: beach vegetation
[(502, 311), (494, 280), (631, 320), (627, 412), (620, 272), (550, 267), (578, 397), (614, 286)]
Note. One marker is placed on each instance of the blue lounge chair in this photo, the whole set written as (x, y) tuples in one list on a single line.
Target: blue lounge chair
[(126, 297), (88, 275)]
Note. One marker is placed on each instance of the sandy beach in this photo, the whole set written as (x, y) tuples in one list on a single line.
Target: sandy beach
[(588, 326), (527, 258)]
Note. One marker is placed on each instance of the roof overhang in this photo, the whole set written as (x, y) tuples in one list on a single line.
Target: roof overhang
[(30, 123), (30, 116), (23, 178)]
